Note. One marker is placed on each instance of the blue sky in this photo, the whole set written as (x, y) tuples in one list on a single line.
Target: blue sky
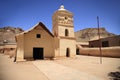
[(27, 13)]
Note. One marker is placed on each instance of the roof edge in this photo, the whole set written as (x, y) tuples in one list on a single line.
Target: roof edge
[(41, 24)]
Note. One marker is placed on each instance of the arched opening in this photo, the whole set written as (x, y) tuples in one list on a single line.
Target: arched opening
[(66, 32), (67, 52)]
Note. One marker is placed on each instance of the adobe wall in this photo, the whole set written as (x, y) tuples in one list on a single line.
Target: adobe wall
[(45, 42), (61, 30), (66, 43), (107, 52), (20, 48), (113, 41)]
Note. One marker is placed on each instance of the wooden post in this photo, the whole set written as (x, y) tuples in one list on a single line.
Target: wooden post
[(99, 40)]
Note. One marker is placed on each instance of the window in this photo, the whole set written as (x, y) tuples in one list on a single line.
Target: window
[(66, 32), (66, 18), (11, 48), (38, 36)]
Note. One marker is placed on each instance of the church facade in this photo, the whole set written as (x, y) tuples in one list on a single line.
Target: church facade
[(40, 43)]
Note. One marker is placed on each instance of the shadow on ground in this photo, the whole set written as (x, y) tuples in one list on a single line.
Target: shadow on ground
[(115, 75)]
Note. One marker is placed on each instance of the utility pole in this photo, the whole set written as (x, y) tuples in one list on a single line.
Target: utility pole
[(99, 40)]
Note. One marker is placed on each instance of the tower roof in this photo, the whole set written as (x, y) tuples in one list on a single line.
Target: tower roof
[(62, 7), (62, 10)]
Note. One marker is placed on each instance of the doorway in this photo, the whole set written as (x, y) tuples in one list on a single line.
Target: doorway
[(38, 53), (105, 44), (77, 51), (67, 52)]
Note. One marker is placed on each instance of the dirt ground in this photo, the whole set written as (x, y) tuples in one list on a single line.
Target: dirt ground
[(18, 71), (42, 69), (92, 65)]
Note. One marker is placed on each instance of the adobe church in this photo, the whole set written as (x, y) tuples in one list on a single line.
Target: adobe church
[(40, 43)]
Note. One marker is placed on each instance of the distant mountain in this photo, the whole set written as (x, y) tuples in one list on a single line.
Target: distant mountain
[(7, 34), (91, 34)]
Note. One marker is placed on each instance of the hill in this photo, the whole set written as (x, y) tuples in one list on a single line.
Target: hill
[(7, 34), (91, 33)]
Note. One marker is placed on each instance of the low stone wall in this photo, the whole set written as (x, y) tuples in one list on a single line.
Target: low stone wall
[(10, 51), (107, 52)]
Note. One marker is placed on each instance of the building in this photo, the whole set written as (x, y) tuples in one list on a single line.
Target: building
[(35, 43), (63, 31), (40, 43), (106, 42), (83, 44)]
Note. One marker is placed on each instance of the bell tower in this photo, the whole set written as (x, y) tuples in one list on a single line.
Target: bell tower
[(63, 30)]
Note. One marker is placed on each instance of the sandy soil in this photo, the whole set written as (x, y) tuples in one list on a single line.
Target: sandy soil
[(81, 64), (91, 65), (55, 71), (18, 71)]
